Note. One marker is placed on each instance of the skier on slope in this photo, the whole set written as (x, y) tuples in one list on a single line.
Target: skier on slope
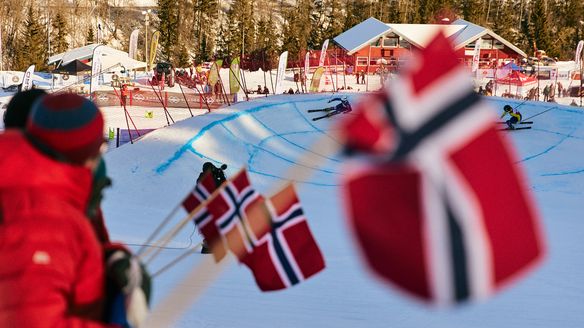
[(219, 177), (343, 107), (515, 116)]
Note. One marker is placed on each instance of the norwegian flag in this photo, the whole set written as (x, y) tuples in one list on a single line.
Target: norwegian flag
[(229, 210), (271, 237), (440, 210), (202, 218), (287, 253)]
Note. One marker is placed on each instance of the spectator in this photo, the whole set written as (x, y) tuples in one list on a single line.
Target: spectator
[(546, 93), (266, 91), (51, 261), (19, 107), (362, 77), (290, 91), (357, 75), (124, 94), (259, 90)]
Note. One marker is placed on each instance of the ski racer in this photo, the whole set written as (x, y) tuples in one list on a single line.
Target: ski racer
[(219, 177), (343, 107), (515, 116)]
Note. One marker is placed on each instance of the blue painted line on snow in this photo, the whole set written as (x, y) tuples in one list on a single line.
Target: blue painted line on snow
[(188, 145), (562, 173)]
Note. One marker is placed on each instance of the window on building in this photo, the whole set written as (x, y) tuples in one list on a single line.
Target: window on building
[(404, 44), (498, 45), (487, 44), (377, 43), (361, 61), (391, 42)]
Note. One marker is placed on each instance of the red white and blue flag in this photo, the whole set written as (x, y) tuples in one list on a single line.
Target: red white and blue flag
[(271, 237), (229, 210), (439, 207), (202, 218), (286, 253)]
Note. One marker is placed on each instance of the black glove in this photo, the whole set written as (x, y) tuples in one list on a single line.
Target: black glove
[(127, 288)]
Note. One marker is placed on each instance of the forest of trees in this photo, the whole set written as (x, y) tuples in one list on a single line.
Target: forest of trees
[(199, 30)]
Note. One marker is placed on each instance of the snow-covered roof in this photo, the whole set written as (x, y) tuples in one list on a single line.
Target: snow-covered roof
[(472, 32), (461, 33), (361, 34), (420, 34), (111, 57)]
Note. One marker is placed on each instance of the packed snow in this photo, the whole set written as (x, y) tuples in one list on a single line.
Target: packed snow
[(268, 135)]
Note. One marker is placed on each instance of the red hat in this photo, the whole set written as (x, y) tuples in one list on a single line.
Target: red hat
[(68, 124)]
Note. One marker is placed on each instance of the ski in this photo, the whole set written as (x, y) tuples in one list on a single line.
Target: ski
[(524, 122), (320, 110), (521, 128), (325, 116)]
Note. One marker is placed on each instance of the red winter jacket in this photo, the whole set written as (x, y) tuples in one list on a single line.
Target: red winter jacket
[(51, 263)]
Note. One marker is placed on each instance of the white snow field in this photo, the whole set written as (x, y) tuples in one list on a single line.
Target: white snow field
[(268, 135)]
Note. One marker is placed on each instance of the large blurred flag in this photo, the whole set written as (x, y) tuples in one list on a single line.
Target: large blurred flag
[(438, 206), (271, 237)]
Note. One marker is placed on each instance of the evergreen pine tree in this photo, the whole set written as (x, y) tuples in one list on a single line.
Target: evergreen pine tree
[(168, 27), (32, 47), (504, 22), (334, 19), (205, 13), (540, 26), (58, 38), (356, 12), (472, 11), (90, 36)]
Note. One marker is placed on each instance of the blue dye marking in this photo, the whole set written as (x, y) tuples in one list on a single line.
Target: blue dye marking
[(562, 173), (188, 145)]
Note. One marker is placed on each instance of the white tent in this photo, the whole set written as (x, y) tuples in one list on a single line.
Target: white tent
[(112, 57)]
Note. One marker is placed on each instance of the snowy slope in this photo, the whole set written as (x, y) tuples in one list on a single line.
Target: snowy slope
[(269, 135)]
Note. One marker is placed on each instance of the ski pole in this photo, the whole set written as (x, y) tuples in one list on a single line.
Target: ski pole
[(547, 110)]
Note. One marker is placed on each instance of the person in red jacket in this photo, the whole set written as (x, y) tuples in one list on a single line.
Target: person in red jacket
[(52, 267)]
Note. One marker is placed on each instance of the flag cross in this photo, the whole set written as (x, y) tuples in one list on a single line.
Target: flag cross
[(409, 140), (289, 218), (238, 203)]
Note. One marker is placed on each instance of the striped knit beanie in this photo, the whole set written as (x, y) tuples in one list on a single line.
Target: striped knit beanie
[(67, 124)]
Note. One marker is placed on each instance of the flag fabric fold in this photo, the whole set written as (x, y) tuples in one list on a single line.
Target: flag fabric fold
[(270, 236), (440, 209)]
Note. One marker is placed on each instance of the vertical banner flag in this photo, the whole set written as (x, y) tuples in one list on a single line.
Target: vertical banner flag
[(153, 47), (578, 58), (95, 69), (281, 71), (27, 80), (306, 65), (133, 43), (323, 53), (234, 76), (315, 83), (271, 237), (214, 72), (440, 231), (476, 56)]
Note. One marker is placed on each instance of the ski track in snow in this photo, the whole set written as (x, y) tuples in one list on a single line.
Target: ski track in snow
[(189, 145)]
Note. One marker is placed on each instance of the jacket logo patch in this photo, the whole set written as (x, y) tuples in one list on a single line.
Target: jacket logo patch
[(41, 257)]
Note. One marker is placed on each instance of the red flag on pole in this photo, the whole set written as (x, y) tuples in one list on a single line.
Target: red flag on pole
[(442, 211), (271, 237)]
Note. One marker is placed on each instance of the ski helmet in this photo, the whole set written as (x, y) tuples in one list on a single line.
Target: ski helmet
[(508, 108)]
